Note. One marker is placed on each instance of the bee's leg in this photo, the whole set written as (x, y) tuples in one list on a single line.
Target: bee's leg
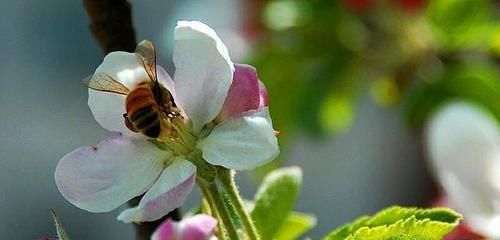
[(129, 124)]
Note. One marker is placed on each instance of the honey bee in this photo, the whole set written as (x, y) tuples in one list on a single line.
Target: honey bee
[(148, 103)]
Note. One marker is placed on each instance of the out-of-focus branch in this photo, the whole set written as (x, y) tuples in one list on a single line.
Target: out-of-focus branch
[(111, 24)]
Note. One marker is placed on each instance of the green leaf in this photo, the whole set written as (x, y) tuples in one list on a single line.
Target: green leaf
[(61, 233), (400, 223), (295, 226), (345, 230), (275, 199), (409, 229)]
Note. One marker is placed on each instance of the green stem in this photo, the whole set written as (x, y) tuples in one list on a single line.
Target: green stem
[(226, 176), (213, 210), (216, 202)]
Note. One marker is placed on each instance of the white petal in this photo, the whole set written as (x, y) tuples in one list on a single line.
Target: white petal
[(242, 143), (165, 80), (167, 194), (203, 74), (102, 178), (124, 67), (464, 148), (108, 108)]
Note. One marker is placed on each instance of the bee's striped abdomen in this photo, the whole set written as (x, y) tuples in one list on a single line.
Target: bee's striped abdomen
[(142, 111)]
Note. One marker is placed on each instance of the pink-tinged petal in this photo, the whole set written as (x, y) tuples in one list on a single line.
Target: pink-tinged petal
[(108, 108), (244, 93), (463, 143), (167, 194), (263, 97), (203, 72), (166, 231), (198, 227), (102, 178), (242, 143)]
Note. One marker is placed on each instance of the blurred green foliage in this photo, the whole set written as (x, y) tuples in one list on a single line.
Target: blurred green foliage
[(318, 57), (461, 24)]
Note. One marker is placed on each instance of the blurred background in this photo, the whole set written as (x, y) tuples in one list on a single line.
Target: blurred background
[(351, 84)]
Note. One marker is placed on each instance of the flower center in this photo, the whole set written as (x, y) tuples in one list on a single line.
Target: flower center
[(174, 131), (176, 134), (152, 111)]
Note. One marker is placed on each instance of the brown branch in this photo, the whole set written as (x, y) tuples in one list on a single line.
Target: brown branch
[(111, 25)]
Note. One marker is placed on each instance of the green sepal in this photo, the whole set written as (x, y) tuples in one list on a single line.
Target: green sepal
[(61, 233), (204, 170)]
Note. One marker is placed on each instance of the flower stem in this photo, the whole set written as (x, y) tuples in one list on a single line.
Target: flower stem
[(211, 193), (213, 210), (226, 176)]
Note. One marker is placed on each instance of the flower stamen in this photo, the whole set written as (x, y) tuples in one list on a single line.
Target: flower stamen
[(176, 134)]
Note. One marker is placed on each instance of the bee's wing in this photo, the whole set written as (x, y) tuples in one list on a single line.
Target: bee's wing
[(105, 83), (147, 54)]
